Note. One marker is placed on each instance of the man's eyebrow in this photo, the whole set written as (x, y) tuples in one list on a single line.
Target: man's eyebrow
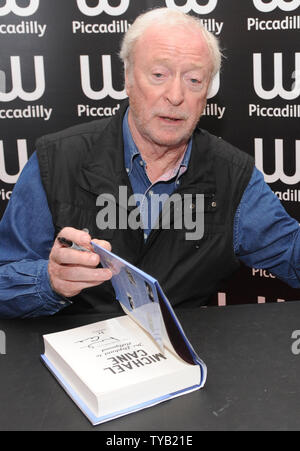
[(193, 66), (160, 61)]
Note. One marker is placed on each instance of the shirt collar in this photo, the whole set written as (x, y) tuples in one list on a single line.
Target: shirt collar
[(131, 150)]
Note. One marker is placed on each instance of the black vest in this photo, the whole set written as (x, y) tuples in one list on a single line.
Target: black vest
[(84, 161)]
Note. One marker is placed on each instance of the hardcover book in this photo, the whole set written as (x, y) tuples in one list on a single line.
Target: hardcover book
[(117, 366)]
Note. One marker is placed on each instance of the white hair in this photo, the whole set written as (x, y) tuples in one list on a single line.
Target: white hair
[(167, 16)]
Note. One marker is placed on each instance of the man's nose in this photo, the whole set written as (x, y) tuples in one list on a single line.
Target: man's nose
[(174, 91)]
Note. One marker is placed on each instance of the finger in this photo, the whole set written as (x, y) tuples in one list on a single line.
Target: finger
[(103, 243), (79, 237), (67, 256), (82, 274)]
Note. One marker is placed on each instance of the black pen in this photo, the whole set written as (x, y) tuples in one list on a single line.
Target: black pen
[(71, 244)]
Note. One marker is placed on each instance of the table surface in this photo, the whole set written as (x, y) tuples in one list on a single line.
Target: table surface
[(253, 375)]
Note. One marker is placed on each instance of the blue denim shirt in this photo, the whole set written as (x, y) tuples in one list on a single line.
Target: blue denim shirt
[(142, 187), (265, 236)]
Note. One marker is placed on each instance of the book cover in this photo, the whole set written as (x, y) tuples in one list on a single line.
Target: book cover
[(118, 366)]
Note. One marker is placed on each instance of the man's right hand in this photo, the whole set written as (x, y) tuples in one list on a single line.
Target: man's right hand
[(71, 270)]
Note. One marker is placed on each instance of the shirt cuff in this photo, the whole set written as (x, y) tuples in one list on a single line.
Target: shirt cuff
[(51, 301)]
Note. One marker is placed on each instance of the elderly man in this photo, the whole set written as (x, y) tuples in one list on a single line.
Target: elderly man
[(152, 147)]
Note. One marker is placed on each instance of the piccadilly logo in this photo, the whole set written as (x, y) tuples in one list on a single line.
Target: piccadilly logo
[(11, 6), (103, 6), (193, 5), (269, 6), (278, 89), (17, 91), (30, 27), (278, 173), (107, 89), (16, 77), (22, 159)]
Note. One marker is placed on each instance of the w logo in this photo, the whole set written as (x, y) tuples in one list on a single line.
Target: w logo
[(12, 7), (192, 5), (16, 77), (296, 77), (23, 158), (107, 89), (279, 173), (270, 6), (103, 6), (278, 89)]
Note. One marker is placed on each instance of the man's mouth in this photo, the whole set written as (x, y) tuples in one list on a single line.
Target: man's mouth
[(170, 119)]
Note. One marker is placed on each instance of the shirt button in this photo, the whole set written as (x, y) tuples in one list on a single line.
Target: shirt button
[(127, 170), (141, 163), (151, 193), (214, 204), (145, 236)]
